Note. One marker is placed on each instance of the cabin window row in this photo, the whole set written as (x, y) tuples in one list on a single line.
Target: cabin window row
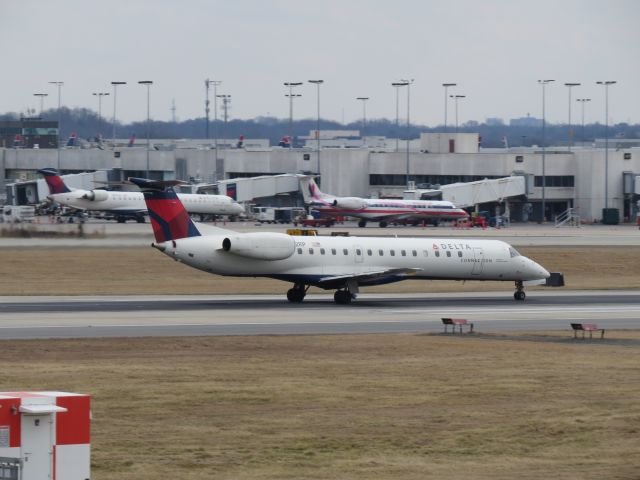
[(380, 252)]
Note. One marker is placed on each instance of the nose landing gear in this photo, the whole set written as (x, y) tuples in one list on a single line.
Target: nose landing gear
[(519, 294)]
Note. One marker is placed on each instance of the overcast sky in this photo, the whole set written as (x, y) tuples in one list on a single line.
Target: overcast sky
[(495, 50)]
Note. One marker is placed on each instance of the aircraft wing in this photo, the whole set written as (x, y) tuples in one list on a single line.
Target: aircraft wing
[(362, 277)]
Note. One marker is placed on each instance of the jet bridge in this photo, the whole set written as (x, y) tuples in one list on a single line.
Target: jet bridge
[(473, 193), (266, 186)]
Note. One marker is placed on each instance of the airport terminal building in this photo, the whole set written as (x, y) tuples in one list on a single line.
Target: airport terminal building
[(579, 177)]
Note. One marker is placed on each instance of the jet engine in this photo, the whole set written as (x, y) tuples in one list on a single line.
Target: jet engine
[(260, 245), (349, 203), (96, 195)]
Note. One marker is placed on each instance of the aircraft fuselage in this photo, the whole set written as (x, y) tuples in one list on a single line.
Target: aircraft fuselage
[(317, 260)]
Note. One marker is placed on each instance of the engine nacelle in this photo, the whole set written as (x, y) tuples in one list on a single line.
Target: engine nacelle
[(349, 203), (96, 195), (260, 245)]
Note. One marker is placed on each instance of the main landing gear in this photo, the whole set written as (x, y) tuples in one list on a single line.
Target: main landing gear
[(519, 295), (297, 293), (362, 223), (343, 297)]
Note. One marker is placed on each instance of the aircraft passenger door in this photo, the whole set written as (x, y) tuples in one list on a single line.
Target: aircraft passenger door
[(359, 254), (478, 255)]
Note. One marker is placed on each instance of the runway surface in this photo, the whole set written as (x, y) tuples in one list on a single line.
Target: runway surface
[(63, 317)]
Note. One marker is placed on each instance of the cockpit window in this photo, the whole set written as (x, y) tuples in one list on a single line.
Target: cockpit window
[(513, 252)]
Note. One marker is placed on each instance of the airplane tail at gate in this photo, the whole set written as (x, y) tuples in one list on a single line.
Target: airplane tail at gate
[(311, 192), (169, 219), (54, 181)]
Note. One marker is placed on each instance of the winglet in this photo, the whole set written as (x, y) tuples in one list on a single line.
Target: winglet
[(54, 181), (169, 219)]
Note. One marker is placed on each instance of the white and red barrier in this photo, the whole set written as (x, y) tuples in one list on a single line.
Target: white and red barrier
[(48, 433)]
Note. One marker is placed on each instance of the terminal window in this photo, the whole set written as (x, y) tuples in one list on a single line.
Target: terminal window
[(555, 181)]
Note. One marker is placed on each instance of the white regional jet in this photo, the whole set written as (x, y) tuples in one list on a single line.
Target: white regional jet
[(131, 204), (378, 210), (333, 263)]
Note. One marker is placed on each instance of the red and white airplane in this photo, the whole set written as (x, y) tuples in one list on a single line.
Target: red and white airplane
[(378, 210), (343, 264), (125, 205)]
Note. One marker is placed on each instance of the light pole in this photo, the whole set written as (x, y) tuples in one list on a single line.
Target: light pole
[(606, 84), (364, 117), (100, 95), (397, 86), (41, 95), (59, 85), (226, 100), (148, 84), (544, 83), (115, 92), (456, 98), (582, 102), (569, 86), (407, 83), (317, 84), (291, 95), (446, 101), (207, 84)]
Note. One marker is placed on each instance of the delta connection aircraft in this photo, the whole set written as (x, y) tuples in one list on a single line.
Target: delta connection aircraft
[(131, 204), (343, 264), (377, 210)]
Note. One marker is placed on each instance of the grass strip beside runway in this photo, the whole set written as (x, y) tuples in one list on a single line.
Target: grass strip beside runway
[(354, 406)]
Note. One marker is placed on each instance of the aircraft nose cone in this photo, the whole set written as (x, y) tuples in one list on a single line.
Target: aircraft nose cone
[(536, 270)]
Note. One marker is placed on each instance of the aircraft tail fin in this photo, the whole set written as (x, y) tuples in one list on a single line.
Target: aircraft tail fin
[(169, 218), (310, 190), (54, 181)]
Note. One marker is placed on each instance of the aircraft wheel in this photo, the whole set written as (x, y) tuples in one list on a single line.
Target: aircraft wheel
[(295, 295), (121, 219), (362, 223), (519, 295), (383, 224), (342, 297), (140, 219)]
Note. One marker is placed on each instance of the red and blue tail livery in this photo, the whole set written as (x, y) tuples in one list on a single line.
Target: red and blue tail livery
[(169, 219), (54, 182)]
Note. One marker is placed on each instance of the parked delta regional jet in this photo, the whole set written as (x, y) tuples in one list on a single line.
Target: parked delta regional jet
[(131, 204), (343, 264), (378, 210)]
